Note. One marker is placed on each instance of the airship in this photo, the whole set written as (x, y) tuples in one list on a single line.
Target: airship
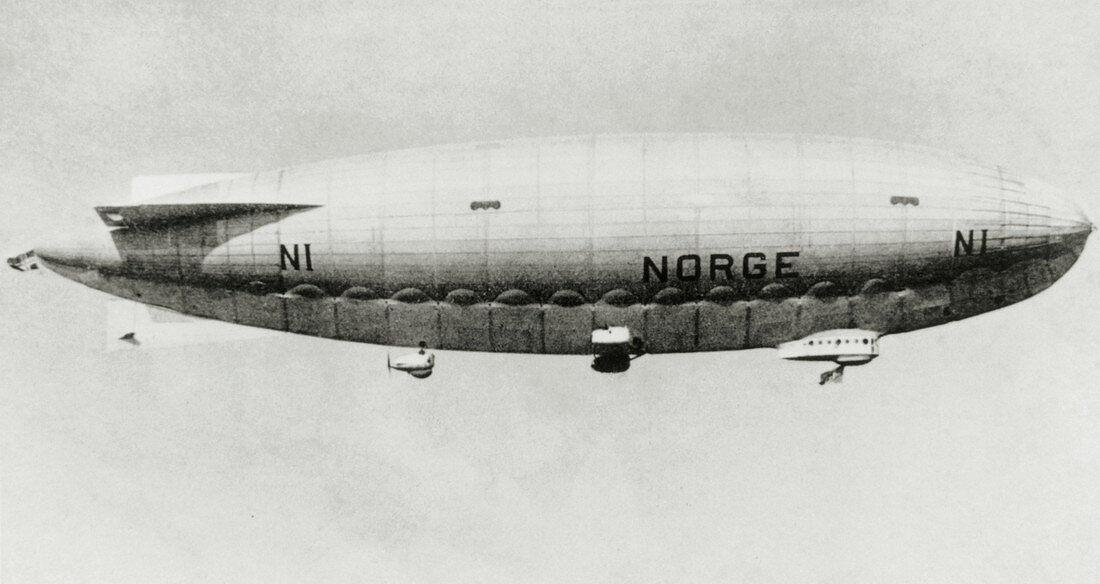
[(615, 246)]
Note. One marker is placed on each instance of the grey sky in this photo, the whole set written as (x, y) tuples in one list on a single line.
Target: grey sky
[(117, 89), (965, 453)]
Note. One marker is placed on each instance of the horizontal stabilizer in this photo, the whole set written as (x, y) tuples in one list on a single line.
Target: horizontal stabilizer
[(172, 214)]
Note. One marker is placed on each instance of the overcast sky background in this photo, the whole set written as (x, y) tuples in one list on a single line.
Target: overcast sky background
[(966, 453)]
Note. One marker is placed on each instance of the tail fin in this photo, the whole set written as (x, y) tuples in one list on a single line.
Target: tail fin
[(24, 261)]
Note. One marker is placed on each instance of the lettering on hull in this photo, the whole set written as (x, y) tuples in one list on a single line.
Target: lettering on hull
[(689, 267), (966, 244), (295, 261)]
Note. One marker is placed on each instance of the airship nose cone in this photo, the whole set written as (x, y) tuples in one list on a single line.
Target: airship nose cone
[(89, 248), (1064, 219), (1081, 227)]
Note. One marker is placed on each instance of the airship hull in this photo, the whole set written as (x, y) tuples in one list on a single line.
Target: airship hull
[(694, 242)]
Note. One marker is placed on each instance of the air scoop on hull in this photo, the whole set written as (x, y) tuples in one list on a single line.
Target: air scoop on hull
[(159, 215)]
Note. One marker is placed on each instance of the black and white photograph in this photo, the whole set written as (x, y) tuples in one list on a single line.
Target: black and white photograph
[(549, 291)]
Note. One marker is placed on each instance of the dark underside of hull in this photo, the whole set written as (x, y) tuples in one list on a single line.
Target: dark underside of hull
[(685, 317)]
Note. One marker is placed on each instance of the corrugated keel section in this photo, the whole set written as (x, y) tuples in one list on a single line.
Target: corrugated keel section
[(722, 327), (262, 310), (311, 316), (1014, 283), (411, 324), (465, 328), (154, 292), (632, 317), (881, 311), (1039, 276), (818, 314), (516, 329), (166, 294), (363, 321), (114, 285), (669, 326), (1061, 264), (975, 292), (568, 330), (209, 302), (771, 322), (925, 306)]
